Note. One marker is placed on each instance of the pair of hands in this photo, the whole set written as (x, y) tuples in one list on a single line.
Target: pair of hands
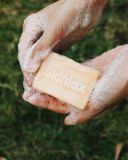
[(56, 28)]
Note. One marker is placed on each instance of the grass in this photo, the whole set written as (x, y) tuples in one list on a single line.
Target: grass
[(29, 133)]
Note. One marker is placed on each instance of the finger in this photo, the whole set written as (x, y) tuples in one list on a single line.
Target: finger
[(83, 116), (29, 77), (43, 47), (33, 28), (78, 116), (40, 50), (44, 101)]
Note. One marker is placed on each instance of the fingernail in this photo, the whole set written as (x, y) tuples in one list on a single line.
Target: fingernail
[(25, 96), (70, 120), (29, 77), (43, 54), (34, 97)]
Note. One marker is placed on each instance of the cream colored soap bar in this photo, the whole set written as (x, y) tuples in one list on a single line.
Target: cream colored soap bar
[(66, 80)]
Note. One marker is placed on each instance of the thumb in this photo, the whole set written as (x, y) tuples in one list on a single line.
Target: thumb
[(79, 116), (39, 51), (49, 39)]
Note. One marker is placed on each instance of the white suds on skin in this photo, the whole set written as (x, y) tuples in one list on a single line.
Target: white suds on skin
[(35, 23), (32, 64), (113, 81)]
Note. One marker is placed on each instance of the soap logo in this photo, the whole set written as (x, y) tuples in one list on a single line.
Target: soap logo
[(66, 80)]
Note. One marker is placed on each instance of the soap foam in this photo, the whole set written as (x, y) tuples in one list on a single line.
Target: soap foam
[(113, 80), (34, 24)]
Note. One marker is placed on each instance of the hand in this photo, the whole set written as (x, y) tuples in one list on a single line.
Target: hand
[(110, 89), (56, 28)]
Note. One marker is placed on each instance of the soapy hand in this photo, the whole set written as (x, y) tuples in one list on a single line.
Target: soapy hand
[(56, 28), (110, 89)]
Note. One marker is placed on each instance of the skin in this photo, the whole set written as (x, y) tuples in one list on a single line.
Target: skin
[(38, 39)]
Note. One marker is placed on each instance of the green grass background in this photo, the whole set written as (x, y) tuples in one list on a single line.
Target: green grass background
[(29, 133)]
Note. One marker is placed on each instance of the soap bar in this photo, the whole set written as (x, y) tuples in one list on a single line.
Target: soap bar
[(65, 79)]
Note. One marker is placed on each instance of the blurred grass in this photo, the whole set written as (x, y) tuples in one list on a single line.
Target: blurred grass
[(28, 133)]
